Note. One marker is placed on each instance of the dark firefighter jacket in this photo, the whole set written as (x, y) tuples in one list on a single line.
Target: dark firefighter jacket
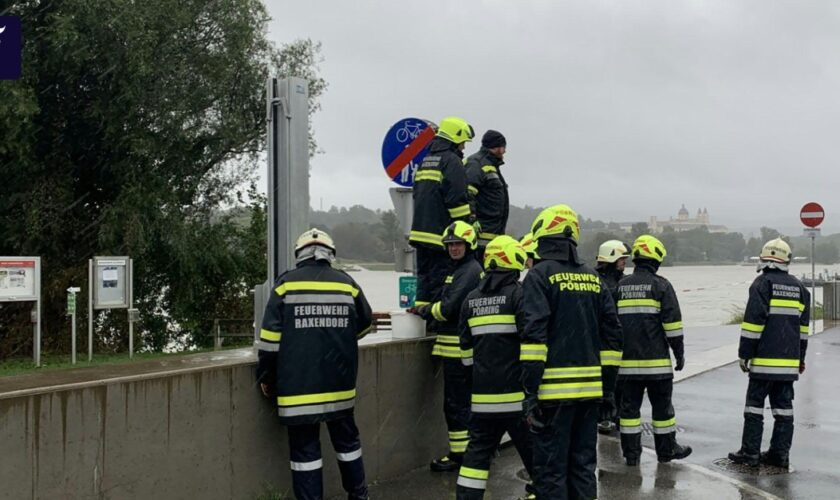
[(308, 351), (463, 278), (651, 321), (488, 193), (491, 319), (570, 326), (774, 334), (440, 194), (610, 277)]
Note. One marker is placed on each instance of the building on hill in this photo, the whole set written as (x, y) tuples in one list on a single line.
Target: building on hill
[(684, 222)]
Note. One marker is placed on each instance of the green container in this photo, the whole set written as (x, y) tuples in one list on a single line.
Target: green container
[(408, 291)]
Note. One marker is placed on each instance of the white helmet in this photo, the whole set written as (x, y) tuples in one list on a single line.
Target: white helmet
[(776, 251), (314, 237), (612, 250)]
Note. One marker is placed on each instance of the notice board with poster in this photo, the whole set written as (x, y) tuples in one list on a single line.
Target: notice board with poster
[(111, 282), (18, 278)]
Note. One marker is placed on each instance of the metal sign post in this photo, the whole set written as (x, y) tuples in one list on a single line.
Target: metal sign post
[(20, 281), (71, 311), (90, 310), (812, 215)]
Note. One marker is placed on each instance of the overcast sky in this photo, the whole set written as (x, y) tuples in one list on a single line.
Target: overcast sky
[(621, 109)]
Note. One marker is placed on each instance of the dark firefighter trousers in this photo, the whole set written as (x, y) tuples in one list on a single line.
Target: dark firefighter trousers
[(432, 267), (485, 437), (781, 406), (457, 381), (565, 454), (664, 424), (307, 463)]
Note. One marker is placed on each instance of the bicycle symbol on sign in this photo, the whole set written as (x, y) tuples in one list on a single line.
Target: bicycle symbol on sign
[(409, 131)]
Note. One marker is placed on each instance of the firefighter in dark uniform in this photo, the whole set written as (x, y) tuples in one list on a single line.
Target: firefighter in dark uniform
[(569, 320), (774, 337), (491, 319), (308, 360), (529, 244), (440, 198), (465, 273), (612, 257), (651, 322), (488, 190)]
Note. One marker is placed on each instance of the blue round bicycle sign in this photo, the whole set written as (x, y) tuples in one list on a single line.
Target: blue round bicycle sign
[(404, 147)]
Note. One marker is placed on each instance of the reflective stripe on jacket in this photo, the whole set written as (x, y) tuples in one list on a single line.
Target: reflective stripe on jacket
[(308, 349), (774, 334)]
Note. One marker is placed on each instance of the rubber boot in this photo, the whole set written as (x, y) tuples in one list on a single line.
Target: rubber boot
[(680, 452), (447, 463), (773, 459), (739, 457)]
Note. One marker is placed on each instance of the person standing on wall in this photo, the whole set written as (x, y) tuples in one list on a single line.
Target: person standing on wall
[(487, 189), (440, 198)]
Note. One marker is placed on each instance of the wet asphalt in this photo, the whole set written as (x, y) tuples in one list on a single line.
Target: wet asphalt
[(709, 412)]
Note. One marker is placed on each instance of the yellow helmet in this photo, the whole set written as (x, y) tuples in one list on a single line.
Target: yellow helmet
[(559, 220), (529, 244), (314, 237), (504, 252), (455, 130), (776, 251), (648, 247), (461, 231), (612, 250)]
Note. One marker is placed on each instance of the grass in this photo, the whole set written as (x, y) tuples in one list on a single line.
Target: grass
[(52, 362), (736, 315)]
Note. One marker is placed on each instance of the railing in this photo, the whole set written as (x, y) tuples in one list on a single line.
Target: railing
[(246, 332)]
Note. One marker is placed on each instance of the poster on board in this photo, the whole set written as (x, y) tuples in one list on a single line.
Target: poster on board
[(111, 282), (18, 279)]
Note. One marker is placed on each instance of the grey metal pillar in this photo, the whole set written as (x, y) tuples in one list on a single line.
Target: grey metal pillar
[(90, 310), (403, 201), (288, 170), (287, 107)]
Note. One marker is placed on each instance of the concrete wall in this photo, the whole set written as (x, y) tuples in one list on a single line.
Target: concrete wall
[(208, 434)]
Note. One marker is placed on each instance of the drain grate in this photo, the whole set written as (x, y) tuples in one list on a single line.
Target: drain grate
[(762, 470)]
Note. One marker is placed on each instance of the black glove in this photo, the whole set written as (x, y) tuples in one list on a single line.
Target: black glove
[(533, 414), (801, 367), (680, 363), (745, 365), (421, 311), (608, 409)]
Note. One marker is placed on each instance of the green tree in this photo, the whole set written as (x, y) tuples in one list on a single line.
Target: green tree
[(826, 253), (132, 124)]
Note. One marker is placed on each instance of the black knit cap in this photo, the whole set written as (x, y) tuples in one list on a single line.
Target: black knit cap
[(493, 139)]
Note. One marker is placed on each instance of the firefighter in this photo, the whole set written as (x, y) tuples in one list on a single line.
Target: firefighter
[(774, 337), (465, 273), (488, 190), (569, 320), (611, 259), (440, 197), (530, 246), (490, 322), (308, 359), (651, 322)]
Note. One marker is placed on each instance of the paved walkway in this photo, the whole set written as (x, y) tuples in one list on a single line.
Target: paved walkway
[(709, 407)]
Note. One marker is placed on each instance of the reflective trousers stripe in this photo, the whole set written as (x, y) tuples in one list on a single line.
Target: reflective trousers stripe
[(296, 411), (349, 456), (476, 484), (496, 407), (307, 466), (782, 412), (630, 425), (754, 410), (665, 430), (665, 426)]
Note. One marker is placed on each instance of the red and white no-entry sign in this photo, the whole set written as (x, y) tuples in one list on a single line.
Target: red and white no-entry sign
[(812, 214)]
